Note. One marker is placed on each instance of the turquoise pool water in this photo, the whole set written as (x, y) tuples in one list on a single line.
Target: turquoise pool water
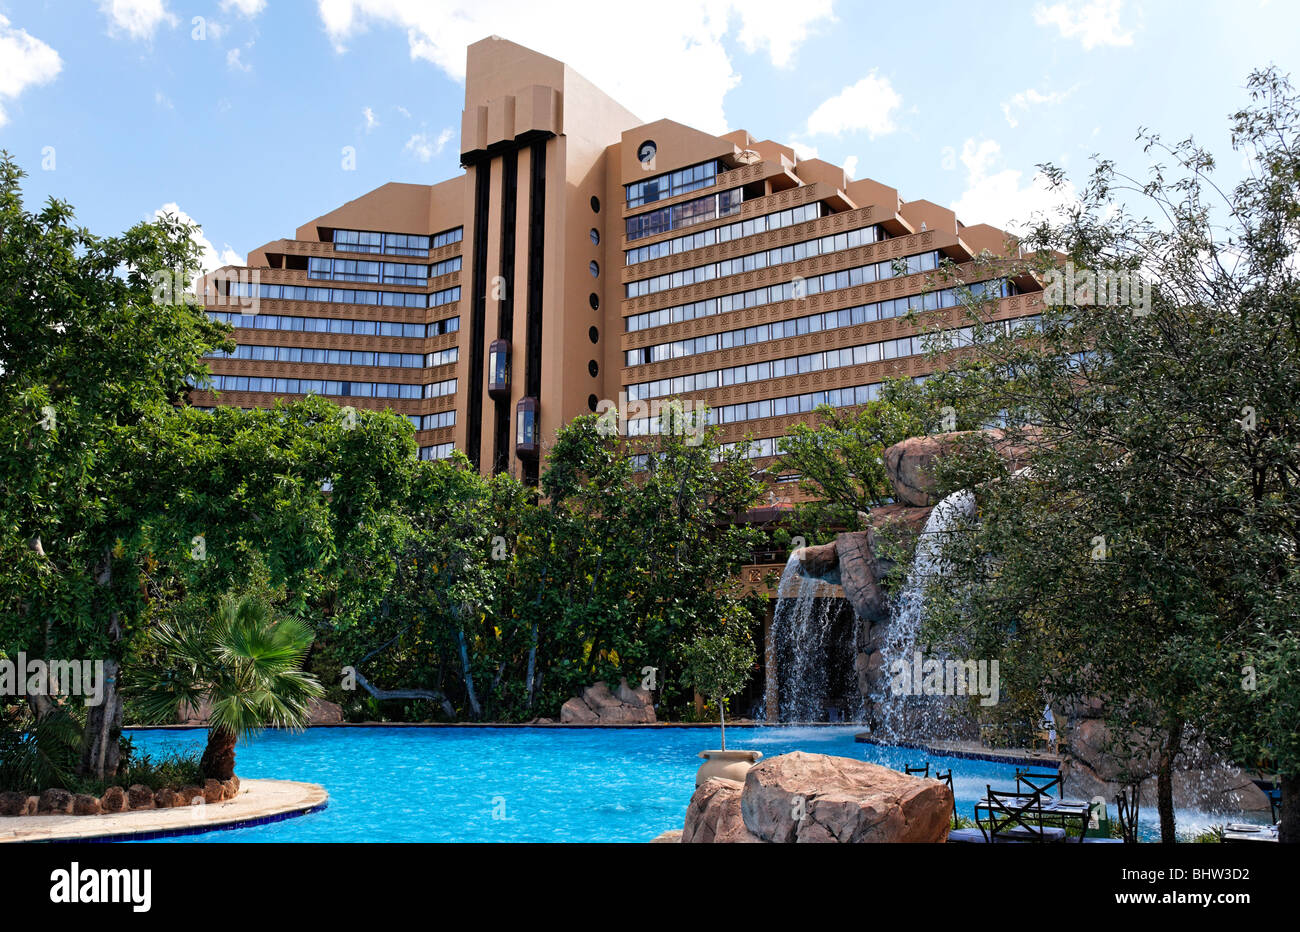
[(517, 784)]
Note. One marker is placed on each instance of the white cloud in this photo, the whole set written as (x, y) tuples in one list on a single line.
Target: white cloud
[(779, 27), (210, 259), (1021, 102), (999, 197), (424, 148), (235, 62), (686, 78), (803, 150), (851, 166), (371, 120), (139, 19), (163, 100), (1093, 23), (24, 61), (868, 105), (249, 8)]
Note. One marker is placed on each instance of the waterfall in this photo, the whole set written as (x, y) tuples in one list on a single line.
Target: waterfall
[(800, 629), (903, 717)]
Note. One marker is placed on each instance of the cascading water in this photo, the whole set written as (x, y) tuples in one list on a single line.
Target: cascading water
[(903, 716), (800, 632)]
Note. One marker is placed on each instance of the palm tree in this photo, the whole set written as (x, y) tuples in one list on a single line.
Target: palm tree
[(246, 664)]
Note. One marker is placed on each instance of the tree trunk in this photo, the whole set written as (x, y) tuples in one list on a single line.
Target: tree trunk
[(475, 708), (532, 664), (100, 753), (1288, 831), (218, 760), (1165, 782)]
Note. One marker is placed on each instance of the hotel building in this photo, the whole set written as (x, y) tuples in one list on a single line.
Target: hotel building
[(582, 256)]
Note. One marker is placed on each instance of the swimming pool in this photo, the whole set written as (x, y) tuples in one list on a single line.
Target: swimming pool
[(517, 784)]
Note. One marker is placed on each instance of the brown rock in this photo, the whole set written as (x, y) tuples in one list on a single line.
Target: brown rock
[(230, 788), (140, 797), (167, 798), (13, 804), (671, 837), (598, 705), (212, 792), (114, 800), (910, 463), (324, 712), (33, 805), (858, 575), (188, 715), (55, 801), (802, 797), (85, 804), (714, 814), (818, 561), (191, 795), (575, 711)]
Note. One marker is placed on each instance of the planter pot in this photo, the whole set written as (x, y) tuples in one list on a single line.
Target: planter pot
[(729, 765)]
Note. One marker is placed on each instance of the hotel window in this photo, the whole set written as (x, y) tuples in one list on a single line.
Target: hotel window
[(682, 181)]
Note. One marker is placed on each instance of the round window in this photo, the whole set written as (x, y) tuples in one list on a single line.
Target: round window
[(594, 368), (593, 334), (646, 151), (595, 236), (595, 204)]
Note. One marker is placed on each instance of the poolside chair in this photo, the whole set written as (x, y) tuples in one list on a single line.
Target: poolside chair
[(1126, 812), (1042, 781), (917, 771), (946, 777), (1016, 818), (1273, 791)]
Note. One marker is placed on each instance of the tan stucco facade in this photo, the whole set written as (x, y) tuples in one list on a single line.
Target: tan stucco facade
[(540, 146)]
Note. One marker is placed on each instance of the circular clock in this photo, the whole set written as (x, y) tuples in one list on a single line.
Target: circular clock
[(646, 151)]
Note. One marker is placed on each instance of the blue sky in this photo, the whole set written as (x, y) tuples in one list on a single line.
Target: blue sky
[(238, 111)]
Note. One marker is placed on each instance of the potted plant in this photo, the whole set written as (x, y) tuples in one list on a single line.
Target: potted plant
[(718, 666)]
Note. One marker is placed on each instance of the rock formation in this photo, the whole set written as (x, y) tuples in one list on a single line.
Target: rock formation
[(812, 798), (598, 706)]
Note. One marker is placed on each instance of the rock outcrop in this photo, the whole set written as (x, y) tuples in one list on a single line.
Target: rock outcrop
[(910, 463), (1200, 780), (714, 814), (598, 706), (816, 798)]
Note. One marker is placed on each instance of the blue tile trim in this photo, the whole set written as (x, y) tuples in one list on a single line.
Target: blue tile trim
[(187, 830)]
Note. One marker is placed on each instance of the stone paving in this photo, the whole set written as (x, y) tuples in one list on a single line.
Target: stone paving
[(258, 801)]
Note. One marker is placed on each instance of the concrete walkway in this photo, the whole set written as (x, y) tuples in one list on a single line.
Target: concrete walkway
[(258, 802)]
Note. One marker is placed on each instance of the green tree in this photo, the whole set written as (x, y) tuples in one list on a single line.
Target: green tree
[(245, 664), (1147, 559), (719, 666)]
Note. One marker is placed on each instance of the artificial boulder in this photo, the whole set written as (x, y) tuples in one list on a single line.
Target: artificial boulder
[(910, 463), (85, 804), (598, 706), (55, 801), (114, 800), (13, 804), (714, 814), (140, 796), (801, 797), (324, 712)]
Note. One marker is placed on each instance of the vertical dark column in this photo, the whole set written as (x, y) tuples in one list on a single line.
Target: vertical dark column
[(477, 310), (536, 255), (506, 306)]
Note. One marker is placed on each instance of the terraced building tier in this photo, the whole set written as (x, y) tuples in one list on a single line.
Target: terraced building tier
[(584, 259)]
